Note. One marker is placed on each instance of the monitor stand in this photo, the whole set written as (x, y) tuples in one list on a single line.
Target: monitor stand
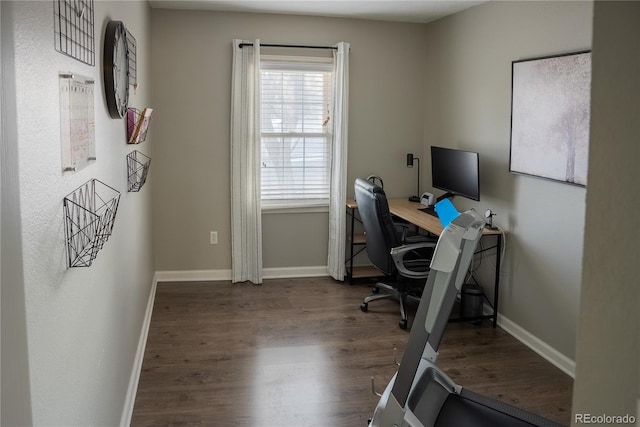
[(446, 195), (429, 210)]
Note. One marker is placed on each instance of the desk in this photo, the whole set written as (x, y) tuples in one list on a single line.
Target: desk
[(408, 211)]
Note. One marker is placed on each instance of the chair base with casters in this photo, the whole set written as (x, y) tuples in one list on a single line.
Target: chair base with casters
[(394, 293)]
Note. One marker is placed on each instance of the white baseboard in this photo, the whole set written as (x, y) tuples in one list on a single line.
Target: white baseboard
[(552, 355), (292, 272), (193, 275), (225, 275), (130, 399)]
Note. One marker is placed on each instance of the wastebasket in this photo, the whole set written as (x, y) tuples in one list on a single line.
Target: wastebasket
[(471, 301)]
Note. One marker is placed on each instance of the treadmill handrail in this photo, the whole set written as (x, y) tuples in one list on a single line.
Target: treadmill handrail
[(436, 297)]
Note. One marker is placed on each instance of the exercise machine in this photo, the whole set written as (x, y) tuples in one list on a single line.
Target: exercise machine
[(420, 394)]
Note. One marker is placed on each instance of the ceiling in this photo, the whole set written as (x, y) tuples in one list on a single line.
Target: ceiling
[(419, 11)]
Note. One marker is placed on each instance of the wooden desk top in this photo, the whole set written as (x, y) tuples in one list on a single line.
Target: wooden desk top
[(408, 211)]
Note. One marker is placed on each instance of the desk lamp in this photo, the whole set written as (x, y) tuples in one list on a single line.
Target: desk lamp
[(410, 160)]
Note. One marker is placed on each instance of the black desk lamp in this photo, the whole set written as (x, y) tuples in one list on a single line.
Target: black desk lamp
[(410, 160)]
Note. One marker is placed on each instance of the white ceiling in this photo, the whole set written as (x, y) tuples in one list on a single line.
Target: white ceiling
[(421, 11)]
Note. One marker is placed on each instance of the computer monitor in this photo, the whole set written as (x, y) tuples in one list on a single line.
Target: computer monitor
[(455, 171)]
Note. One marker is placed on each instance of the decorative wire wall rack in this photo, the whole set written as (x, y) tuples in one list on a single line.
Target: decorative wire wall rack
[(138, 124), (73, 29), (90, 212), (132, 47), (137, 169)]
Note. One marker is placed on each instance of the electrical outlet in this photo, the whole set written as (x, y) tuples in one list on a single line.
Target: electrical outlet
[(213, 238)]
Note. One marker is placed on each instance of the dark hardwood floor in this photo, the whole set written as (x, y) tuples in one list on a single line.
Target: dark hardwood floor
[(300, 352)]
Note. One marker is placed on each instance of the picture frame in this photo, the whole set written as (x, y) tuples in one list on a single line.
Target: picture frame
[(550, 116)]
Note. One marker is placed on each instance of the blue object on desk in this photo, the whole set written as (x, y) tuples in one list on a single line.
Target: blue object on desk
[(446, 212)]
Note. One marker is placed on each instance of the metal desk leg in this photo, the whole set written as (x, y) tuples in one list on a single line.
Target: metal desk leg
[(496, 287), (353, 223)]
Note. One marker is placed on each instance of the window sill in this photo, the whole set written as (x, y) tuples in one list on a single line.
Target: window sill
[(295, 209)]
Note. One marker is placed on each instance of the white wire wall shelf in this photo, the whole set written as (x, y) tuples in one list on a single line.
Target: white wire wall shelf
[(90, 212), (138, 124), (137, 169)]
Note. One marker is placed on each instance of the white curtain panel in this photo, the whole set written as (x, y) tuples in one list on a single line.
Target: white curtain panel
[(246, 218), (338, 198)]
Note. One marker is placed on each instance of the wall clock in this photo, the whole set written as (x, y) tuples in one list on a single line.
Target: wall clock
[(115, 66)]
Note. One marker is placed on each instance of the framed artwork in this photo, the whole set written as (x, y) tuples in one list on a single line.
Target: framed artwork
[(550, 105)]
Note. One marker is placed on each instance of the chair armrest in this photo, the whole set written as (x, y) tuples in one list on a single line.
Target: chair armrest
[(406, 238), (420, 238), (403, 230), (398, 254)]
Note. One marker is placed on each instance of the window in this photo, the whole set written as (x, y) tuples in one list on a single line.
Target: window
[(295, 132)]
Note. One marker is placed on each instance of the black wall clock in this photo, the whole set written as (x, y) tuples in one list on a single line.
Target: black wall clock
[(115, 67)]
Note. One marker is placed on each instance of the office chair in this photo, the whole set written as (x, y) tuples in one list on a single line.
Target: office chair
[(403, 259)]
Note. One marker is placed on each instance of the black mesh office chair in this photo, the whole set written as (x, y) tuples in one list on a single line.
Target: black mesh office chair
[(404, 260)]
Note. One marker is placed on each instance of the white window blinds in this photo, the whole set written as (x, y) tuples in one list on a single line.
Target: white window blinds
[(295, 133)]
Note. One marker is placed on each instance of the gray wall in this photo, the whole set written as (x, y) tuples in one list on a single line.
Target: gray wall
[(69, 336), (608, 346), (15, 393), (468, 106), (192, 81)]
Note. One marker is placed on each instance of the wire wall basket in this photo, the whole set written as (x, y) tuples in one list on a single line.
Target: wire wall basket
[(90, 212), (138, 124), (137, 169)]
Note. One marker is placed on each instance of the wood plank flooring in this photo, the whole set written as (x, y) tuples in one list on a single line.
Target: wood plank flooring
[(300, 352)]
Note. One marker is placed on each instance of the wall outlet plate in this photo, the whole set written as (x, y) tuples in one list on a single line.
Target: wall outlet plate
[(213, 238)]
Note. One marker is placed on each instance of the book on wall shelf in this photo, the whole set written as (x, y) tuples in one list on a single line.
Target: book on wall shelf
[(138, 124)]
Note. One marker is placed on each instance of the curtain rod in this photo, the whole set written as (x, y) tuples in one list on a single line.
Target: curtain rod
[(289, 45)]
